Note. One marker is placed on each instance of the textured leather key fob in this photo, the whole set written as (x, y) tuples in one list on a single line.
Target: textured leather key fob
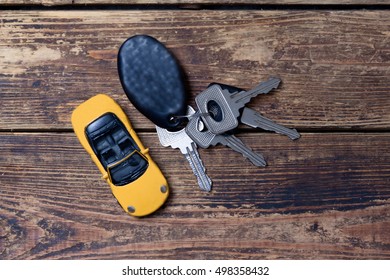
[(152, 80)]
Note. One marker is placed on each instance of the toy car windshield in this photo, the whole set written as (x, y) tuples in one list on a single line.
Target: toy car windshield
[(116, 149)]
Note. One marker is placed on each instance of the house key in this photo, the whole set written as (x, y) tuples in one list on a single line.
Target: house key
[(227, 104), (180, 139), (205, 138)]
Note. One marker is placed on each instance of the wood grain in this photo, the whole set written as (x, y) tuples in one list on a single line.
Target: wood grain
[(324, 196), (334, 64), (190, 3)]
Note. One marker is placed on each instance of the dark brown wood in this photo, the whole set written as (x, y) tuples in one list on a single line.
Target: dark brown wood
[(191, 3), (323, 196), (36, 2), (334, 64)]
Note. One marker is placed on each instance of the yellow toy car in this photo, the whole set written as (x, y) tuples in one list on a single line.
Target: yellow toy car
[(106, 134)]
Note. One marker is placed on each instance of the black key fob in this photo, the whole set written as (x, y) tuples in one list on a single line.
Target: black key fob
[(152, 80)]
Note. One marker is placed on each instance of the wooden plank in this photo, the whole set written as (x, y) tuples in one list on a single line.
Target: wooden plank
[(334, 64), (36, 2), (190, 3), (324, 196)]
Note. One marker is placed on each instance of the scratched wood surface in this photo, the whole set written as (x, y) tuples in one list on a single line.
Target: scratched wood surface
[(325, 196), (334, 65), (193, 3), (305, 204)]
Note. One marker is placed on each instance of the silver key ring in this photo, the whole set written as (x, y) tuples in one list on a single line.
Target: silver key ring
[(189, 116)]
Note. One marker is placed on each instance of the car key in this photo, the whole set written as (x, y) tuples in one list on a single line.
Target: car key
[(180, 139), (227, 105), (205, 138), (256, 120)]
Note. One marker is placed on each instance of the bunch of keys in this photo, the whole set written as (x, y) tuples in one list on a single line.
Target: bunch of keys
[(153, 81)]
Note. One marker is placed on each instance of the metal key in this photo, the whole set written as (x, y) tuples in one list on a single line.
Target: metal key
[(180, 139), (205, 138), (254, 119), (227, 105)]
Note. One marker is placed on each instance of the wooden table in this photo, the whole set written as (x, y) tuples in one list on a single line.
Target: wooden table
[(324, 196)]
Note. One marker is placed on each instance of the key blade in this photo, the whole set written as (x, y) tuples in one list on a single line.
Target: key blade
[(237, 145), (262, 88), (198, 169), (254, 119)]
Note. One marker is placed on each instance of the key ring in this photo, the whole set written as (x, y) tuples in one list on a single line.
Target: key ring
[(189, 116)]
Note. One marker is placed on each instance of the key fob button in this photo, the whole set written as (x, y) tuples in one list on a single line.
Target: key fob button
[(152, 80)]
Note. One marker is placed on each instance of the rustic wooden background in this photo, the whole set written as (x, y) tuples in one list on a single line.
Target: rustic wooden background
[(325, 196)]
